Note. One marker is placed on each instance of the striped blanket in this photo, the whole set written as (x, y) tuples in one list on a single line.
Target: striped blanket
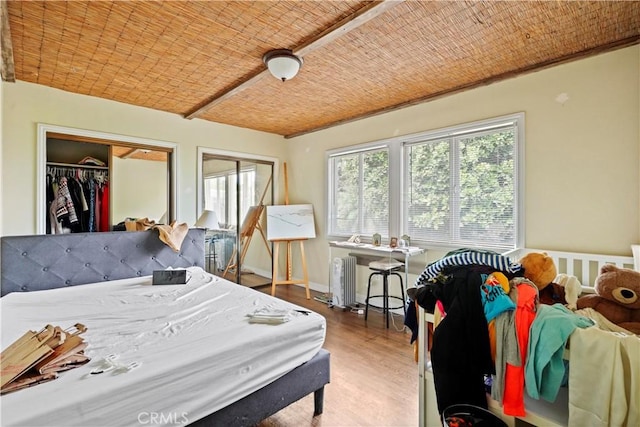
[(469, 257)]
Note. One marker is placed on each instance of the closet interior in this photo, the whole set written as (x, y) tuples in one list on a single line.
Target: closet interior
[(77, 187), (94, 185)]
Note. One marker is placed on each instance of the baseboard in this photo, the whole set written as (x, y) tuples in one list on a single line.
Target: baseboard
[(318, 287)]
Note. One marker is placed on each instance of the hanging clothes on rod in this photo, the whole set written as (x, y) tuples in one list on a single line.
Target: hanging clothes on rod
[(77, 199)]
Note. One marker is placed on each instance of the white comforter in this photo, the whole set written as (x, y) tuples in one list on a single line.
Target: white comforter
[(196, 350)]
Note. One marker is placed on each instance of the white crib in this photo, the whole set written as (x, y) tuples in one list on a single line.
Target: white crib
[(539, 412), (584, 266)]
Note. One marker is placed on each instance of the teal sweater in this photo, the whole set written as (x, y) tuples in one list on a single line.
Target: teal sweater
[(544, 368)]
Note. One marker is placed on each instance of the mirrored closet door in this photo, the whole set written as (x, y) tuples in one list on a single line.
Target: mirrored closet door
[(237, 189)]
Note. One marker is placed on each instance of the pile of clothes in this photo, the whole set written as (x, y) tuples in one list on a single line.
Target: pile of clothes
[(489, 323)]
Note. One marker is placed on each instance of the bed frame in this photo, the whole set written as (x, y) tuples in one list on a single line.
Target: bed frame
[(39, 262)]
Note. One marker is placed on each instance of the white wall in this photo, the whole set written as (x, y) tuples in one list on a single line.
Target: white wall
[(582, 157), (25, 104), (139, 189)]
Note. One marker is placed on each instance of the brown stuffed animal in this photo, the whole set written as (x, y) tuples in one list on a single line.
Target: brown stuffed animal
[(552, 294), (565, 289), (538, 268), (617, 297)]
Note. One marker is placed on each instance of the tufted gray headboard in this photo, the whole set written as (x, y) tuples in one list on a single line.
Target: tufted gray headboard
[(30, 263)]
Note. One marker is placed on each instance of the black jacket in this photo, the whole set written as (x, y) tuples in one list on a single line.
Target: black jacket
[(461, 353)]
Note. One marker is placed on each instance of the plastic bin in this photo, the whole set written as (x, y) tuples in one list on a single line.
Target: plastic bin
[(470, 416)]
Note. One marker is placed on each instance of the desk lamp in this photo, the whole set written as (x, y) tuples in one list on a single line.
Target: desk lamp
[(208, 220)]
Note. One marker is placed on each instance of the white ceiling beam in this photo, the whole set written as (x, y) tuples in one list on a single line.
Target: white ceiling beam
[(332, 33), (349, 23)]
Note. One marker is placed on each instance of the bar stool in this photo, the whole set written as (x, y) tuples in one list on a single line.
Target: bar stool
[(385, 268)]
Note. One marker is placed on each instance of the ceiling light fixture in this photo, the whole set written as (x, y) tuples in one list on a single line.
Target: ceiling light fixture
[(282, 63)]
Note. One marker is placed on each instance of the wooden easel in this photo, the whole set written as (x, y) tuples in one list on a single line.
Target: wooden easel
[(289, 266), (289, 270), (249, 225)]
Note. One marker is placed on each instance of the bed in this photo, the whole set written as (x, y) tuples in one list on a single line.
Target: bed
[(565, 410), (231, 373)]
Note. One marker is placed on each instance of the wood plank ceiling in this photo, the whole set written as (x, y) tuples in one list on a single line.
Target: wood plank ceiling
[(203, 59)]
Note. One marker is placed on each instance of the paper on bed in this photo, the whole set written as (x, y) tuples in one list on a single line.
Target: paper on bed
[(196, 349), (270, 316)]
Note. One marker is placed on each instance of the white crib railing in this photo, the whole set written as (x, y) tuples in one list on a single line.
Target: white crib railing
[(585, 267)]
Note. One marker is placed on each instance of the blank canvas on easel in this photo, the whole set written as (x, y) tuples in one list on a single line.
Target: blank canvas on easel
[(290, 222)]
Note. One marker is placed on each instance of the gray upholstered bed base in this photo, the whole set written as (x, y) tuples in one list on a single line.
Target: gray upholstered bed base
[(309, 377), (31, 263)]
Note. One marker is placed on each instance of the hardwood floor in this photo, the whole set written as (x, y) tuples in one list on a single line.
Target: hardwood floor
[(374, 379), (249, 280)]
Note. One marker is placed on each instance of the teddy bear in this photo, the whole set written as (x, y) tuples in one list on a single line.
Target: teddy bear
[(539, 268), (617, 297)]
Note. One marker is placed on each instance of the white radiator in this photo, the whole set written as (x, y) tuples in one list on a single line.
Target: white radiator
[(343, 281)]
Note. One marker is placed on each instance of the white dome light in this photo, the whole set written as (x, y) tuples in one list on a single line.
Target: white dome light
[(282, 63)]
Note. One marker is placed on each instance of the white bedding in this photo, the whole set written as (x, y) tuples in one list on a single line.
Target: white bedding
[(196, 348)]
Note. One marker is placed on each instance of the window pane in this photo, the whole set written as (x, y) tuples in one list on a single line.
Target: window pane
[(360, 193), (220, 194), (214, 196), (248, 186), (375, 200), (462, 190), (428, 197), (487, 211), (346, 194)]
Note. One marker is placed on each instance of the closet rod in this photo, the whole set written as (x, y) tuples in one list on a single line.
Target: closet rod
[(71, 165)]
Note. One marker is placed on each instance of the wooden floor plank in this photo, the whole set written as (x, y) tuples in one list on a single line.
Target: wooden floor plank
[(374, 379)]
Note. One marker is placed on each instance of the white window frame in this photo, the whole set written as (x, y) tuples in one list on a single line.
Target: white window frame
[(398, 176)]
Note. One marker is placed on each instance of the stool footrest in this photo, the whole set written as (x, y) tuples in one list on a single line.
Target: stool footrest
[(388, 307), (385, 272)]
